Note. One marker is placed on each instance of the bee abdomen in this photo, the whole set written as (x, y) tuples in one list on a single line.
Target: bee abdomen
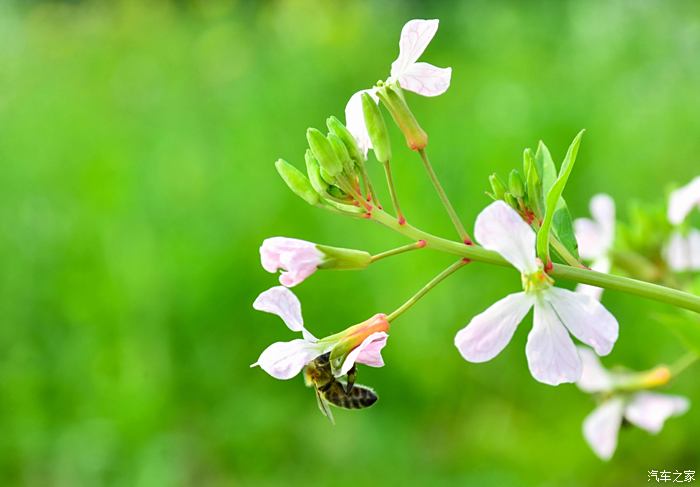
[(360, 397)]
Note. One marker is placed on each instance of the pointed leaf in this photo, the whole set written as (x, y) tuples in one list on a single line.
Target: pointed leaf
[(563, 227)]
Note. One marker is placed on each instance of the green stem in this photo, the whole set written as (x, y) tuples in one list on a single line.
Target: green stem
[(399, 250), (559, 271), (564, 252), (683, 363), (368, 184), (443, 197), (392, 192), (424, 290)]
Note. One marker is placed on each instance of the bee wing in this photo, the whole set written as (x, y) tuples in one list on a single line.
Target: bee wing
[(323, 406)]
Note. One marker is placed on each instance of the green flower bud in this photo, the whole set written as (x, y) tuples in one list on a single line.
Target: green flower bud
[(336, 127), (516, 184), (416, 138), (376, 128), (339, 258), (497, 186), (296, 181), (314, 172), (512, 202), (324, 153), (342, 152)]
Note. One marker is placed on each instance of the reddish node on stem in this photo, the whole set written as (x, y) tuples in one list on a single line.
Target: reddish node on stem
[(402, 220), (549, 266), (468, 241), (367, 215), (465, 260), (420, 244)]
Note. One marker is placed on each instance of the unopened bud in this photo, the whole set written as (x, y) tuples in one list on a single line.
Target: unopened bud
[(497, 187), (324, 153), (512, 202), (376, 128), (339, 258), (314, 172), (296, 181), (342, 152), (416, 138), (336, 127), (515, 184)]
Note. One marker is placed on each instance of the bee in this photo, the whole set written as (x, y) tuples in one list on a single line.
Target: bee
[(330, 390)]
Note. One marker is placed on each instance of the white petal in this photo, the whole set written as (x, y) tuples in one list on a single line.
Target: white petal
[(694, 249), (426, 79), (677, 253), (595, 237), (499, 227), (591, 243), (600, 428), (489, 332), (683, 200), (600, 265), (282, 302), (551, 353), (368, 352), (355, 119), (586, 318), (603, 210), (594, 377), (649, 410), (415, 37), (284, 360)]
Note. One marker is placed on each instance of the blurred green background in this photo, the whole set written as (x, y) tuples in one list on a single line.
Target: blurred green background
[(137, 143)]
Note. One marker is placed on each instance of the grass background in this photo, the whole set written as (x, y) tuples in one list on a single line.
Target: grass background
[(137, 143)]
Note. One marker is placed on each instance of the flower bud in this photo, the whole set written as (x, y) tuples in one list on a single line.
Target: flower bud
[(342, 153), (314, 172), (497, 187), (373, 330), (376, 128), (336, 127), (515, 184), (296, 181), (339, 258), (324, 153), (416, 138)]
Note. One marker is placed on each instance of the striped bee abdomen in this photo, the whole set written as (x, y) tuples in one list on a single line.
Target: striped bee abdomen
[(360, 397)]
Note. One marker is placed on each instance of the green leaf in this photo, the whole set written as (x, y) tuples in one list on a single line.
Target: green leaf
[(686, 326), (563, 227), (555, 191), (535, 197), (545, 167)]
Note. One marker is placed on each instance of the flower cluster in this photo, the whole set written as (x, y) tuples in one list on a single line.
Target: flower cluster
[(528, 226)]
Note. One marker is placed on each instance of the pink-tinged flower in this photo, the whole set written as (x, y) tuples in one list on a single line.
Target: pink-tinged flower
[(646, 410), (298, 259), (551, 354), (595, 238), (421, 78), (360, 343), (682, 253), (683, 200)]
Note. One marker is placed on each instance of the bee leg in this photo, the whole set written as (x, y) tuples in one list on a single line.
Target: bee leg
[(352, 375)]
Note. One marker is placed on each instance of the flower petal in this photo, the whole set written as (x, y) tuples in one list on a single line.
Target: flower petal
[(355, 119), (600, 428), (683, 200), (489, 332), (694, 249), (368, 352), (284, 360), (595, 237), (649, 410), (298, 258), (551, 353), (677, 253), (415, 37), (586, 318), (282, 302), (600, 265), (590, 240), (594, 377), (499, 227), (426, 79)]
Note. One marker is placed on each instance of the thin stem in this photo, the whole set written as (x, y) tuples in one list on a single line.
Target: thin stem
[(399, 250), (347, 187), (559, 271), (392, 192), (368, 184), (424, 290), (683, 363), (443, 197), (564, 252)]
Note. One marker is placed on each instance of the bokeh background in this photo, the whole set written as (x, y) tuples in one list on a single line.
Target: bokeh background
[(137, 142)]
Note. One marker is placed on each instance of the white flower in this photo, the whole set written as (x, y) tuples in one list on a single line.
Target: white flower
[(646, 410), (551, 353), (683, 200), (682, 252), (422, 78), (284, 360), (595, 238), (298, 259)]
